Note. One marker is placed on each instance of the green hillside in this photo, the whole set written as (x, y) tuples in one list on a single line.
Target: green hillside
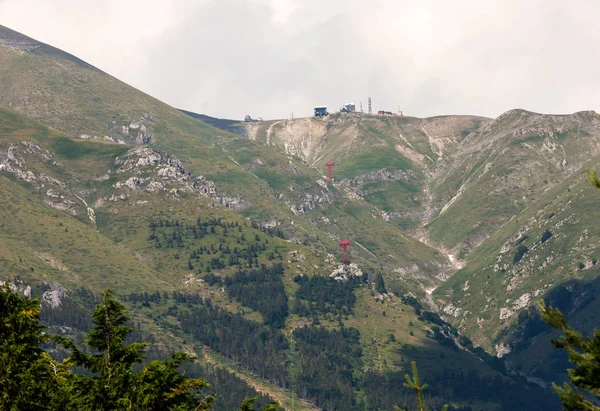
[(552, 242), (144, 244), (258, 181), (227, 244)]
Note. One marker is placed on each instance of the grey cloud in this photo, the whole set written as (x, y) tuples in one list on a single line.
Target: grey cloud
[(270, 57)]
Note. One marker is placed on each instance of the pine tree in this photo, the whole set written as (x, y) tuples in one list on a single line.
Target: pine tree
[(29, 378), (247, 405), (113, 385), (584, 353), (380, 284), (414, 383)]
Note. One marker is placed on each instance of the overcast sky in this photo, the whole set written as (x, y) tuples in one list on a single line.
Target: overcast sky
[(269, 58)]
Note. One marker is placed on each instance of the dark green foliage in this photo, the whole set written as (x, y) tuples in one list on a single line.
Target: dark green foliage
[(234, 248), (594, 178), (113, 385), (247, 405), (29, 378), (521, 251), (384, 391), (75, 149), (573, 297), (379, 284), (321, 295), (69, 313), (546, 236), (446, 334), (413, 383), (585, 354), (262, 290), (212, 279), (257, 347), (328, 359), (230, 390)]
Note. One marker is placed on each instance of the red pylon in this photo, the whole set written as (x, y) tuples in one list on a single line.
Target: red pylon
[(329, 166), (345, 244)]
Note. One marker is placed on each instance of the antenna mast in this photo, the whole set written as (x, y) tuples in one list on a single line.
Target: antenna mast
[(370, 111)]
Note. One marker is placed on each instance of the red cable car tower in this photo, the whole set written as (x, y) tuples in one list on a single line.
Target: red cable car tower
[(345, 244), (329, 166)]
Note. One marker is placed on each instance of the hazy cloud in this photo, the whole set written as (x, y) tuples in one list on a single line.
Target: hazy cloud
[(271, 57)]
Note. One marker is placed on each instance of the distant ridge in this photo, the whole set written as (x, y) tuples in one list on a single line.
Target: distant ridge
[(232, 126)]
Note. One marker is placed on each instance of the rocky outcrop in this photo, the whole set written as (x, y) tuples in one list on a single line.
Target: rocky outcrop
[(310, 201), (379, 175), (138, 132), (17, 286), (343, 271), (54, 192), (54, 295), (106, 138), (152, 171)]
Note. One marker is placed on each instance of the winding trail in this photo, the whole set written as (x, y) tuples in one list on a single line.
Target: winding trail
[(270, 131), (239, 165)]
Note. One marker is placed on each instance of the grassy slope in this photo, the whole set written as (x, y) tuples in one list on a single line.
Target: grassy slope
[(502, 169), (495, 281), (71, 96), (360, 144), (69, 250), (74, 97), (512, 167)]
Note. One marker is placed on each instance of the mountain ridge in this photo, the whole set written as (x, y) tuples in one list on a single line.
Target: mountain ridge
[(99, 168)]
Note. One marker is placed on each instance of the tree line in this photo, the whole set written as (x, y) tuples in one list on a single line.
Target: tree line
[(30, 379)]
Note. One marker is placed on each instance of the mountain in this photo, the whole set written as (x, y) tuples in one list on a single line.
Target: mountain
[(223, 237), (481, 190), (258, 181)]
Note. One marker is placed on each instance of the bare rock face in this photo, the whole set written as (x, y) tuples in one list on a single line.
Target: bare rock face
[(107, 138), (167, 171), (357, 182), (54, 295), (127, 131), (137, 131), (54, 192), (17, 287), (343, 271), (379, 175), (309, 201), (164, 172)]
